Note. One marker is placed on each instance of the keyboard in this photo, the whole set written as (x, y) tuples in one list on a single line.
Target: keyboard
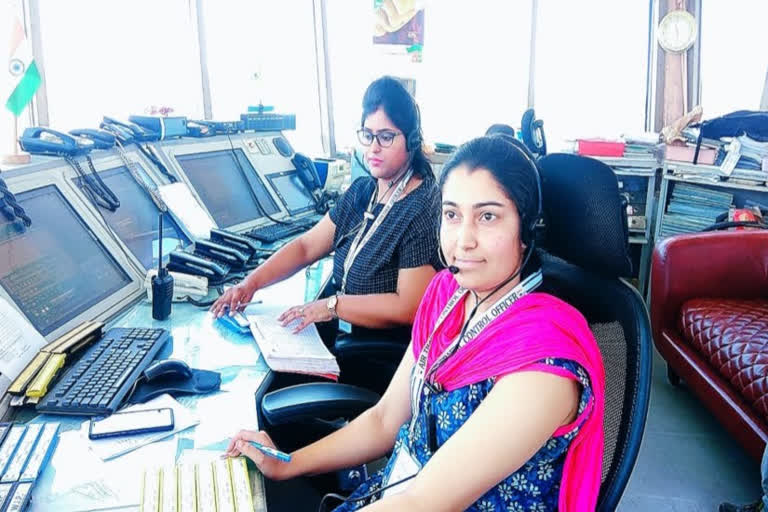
[(274, 232), (99, 381)]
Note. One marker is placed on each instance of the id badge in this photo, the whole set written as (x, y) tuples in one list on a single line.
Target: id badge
[(405, 465)]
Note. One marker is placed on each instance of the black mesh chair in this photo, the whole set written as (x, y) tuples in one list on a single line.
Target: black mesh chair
[(584, 255)]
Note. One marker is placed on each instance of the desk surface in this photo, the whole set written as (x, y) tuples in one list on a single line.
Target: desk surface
[(77, 479)]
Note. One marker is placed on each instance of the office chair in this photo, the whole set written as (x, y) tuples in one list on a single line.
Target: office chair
[(584, 255)]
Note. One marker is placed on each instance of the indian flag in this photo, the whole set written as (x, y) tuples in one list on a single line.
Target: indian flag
[(24, 76)]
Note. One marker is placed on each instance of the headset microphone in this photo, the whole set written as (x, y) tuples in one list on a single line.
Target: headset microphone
[(453, 269)]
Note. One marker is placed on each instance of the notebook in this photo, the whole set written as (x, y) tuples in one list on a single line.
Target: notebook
[(284, 351)]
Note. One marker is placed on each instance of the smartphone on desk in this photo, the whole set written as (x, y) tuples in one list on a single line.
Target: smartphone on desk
[(131, 423), (237, 322)]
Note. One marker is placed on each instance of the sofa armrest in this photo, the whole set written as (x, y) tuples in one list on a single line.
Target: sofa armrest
[(731, 264), (316, 400)]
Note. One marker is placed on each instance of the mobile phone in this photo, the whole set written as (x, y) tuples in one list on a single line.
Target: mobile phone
[(131, 423), (237, 322)]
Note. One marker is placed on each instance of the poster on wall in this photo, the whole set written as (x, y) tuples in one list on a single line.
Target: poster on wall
[(399, 27)]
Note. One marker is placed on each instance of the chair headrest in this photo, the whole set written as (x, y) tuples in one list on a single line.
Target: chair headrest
[(586, 223)]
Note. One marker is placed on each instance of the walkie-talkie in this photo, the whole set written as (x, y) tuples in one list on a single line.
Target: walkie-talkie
[(162, 284)]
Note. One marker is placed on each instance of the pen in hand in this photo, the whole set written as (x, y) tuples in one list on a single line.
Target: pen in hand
[(266, 450)]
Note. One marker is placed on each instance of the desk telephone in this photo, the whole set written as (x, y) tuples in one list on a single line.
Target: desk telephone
[(199, 264), (131, 133), (39, 140), (248, 246), (46, 141)]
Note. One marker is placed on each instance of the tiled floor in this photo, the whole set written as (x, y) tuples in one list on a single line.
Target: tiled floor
[(687, 462)]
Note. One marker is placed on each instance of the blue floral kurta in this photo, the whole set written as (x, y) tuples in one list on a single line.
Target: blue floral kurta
[(532, 488)]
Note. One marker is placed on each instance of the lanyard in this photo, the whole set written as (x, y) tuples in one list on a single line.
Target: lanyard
[(359, 241), (420, 372)]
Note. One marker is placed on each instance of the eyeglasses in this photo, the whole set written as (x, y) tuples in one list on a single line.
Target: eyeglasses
[(384, 137)]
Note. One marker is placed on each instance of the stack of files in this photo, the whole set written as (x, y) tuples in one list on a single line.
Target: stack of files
[(640, 145), (693, 208), (221, 485), (283, 351), (24, 453)]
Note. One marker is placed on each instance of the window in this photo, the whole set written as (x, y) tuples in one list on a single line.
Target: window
[(591, 61), (275, 40), (734, 61), (118, 58), (458, 93)]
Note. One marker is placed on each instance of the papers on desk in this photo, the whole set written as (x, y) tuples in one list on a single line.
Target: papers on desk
[(110, 448), (185, 207), (283, 351), (19, 342)]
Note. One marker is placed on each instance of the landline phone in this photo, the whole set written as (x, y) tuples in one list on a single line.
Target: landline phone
[(132, 133), (188, 263), (39, 140), (305, 169), (209, 259), (236, 259), (184, 285), (101, 139), (248, 246), (46, 141)]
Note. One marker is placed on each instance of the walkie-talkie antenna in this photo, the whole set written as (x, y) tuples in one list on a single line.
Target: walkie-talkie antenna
[(160, 248)]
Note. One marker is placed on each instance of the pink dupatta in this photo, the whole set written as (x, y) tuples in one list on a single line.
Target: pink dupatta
[(536, 327)]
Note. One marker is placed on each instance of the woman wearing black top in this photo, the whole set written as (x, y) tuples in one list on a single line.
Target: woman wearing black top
[(382, 230)]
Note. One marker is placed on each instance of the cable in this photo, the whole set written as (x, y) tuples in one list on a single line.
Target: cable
[(103, 185), (364, 496), (94, 193), (250, 188), (10, 205), (153, 158)]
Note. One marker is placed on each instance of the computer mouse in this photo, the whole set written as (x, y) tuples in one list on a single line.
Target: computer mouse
[(283, 146), (168, 367)]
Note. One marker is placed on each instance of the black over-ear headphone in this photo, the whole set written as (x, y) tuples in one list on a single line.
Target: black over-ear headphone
[(529, 230), (414, 139)]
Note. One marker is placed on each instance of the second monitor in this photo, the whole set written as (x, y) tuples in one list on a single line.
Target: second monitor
[(228, 186)]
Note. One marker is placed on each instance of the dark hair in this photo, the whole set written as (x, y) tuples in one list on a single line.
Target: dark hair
[(510, 167), (390, 95)]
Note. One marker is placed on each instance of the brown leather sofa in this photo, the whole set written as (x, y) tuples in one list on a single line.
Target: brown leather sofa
[(709, 315)]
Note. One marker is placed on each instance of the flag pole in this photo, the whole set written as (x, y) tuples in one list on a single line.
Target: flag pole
[(16, 157)]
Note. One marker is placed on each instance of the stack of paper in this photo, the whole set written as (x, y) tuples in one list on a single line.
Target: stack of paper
[(283, 351)]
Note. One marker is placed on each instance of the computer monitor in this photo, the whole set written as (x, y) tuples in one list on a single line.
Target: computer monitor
[(56, 269), (135, 221), (291, 192), (226, 189)]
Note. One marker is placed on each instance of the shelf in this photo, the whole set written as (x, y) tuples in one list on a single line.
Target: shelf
[(725, 184)]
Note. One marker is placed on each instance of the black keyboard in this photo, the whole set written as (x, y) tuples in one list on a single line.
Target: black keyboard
[(274, 232), (99, 381)]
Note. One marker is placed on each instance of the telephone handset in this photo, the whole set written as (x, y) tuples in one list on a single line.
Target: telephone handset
[(128, 132), (236, 259), (39, 140), (248, 246), (140, 134), (184, 262), (307, 172), (101, 139)]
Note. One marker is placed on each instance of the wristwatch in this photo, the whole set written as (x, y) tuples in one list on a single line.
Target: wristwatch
[(331, 305)]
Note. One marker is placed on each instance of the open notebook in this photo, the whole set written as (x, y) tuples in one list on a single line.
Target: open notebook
[(284, 351)]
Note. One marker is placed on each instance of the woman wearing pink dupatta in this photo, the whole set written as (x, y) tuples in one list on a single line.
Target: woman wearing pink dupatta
[(498, 403)]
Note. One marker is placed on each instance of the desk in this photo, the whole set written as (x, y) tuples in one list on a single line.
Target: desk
[(203, 343)]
